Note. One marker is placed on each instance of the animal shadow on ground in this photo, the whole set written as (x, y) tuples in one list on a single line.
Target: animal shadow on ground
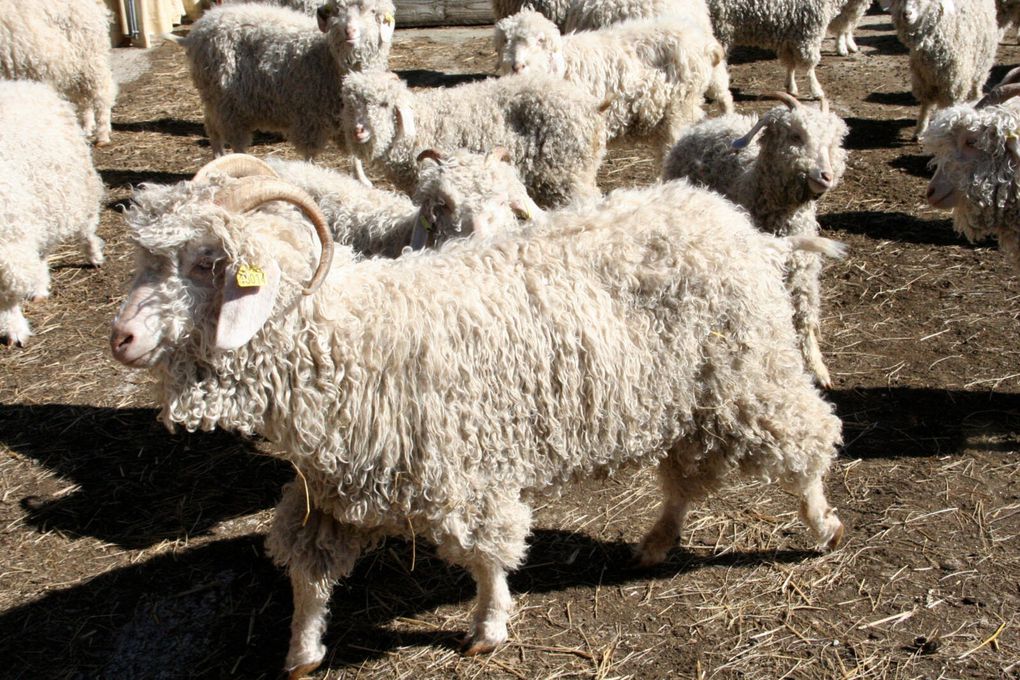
[(166, 126), (222, 609), (866, 133), (904, 98), (882, 44), (914, 422), (896, 226), (135, 484), (749, 55), (418, 77), (914, 164)]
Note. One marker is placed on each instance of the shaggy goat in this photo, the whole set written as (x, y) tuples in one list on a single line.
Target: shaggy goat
[(49, 192), (65, 44), (555, 10), (779, 181), (259, 67), (552, 130), (976, 153), (655, 330), (952, 49), (655, 72), (794, 29)]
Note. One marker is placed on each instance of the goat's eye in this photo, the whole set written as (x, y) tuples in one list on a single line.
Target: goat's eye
[(797, 138), (970, 142)]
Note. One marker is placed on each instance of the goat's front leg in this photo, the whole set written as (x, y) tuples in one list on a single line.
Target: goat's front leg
[(493, 607)]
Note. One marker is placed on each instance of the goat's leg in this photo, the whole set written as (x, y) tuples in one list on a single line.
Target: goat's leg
[(493, 607), (815, 511), (680, 488)]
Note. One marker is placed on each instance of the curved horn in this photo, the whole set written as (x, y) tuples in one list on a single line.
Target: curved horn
[(234, 165), (742, 142), (999, 95), (251, 192), (1011, 76), (786, 98), (824, 104), (433, 154)]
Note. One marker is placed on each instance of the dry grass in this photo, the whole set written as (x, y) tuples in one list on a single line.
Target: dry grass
[(129, 552)]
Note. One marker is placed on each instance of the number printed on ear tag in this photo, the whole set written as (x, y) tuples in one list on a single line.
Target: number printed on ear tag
[(250, 276)]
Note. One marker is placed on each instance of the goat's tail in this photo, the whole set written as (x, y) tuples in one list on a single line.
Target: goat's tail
[(818, 244)]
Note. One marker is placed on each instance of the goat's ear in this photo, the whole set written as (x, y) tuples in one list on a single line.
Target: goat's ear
[(405, 116), (248, 297), (386, 25)]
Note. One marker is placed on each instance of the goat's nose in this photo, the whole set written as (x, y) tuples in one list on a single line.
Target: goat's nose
[(826, 176), (931, 192), (518, 68), (120, 341)]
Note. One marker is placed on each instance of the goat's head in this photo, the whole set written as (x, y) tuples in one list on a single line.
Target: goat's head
[(528, 42), (378, 112), (801, 146), (976, 154), (359, 30), (216, 257), (465, 193)]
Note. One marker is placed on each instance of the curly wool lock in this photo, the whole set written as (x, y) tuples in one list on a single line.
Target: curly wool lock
[(553, 132), (800, 156), (259, 67), (652, 328), (67, 45), (49, 192), (654, 72)]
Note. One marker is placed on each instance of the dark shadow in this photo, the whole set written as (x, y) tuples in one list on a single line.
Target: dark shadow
[(904, 98), (136, 483), (997, 74), (418, 77), (166, 126), (868, 133), (886, 43), (115, 179), (896, 226), (914, 422), (913, 164), (748, 55), (222, 610)]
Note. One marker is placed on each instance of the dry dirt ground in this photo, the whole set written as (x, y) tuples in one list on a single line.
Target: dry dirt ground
[(128, 552)]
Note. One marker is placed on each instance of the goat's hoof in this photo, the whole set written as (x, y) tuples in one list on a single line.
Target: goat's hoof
[(836, 540), (470, 646), (303, 671)]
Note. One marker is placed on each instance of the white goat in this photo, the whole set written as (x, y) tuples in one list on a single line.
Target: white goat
[(654, 72), (259, 67), (952, 48), (632, 334), (778, 180), (49, 192), (976, 151), (553, 132), (65, 44)]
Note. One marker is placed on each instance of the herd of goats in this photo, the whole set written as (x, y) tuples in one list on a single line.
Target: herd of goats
[(432, 359)]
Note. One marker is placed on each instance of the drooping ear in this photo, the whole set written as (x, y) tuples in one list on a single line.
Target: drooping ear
[(248, 297), (405, 117), (386, 26)]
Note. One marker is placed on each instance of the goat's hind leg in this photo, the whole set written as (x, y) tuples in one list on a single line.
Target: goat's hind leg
[(679, 489)]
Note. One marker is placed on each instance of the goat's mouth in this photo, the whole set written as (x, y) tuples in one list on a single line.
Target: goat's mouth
[(818, 186), (362, 136), (942, 197)]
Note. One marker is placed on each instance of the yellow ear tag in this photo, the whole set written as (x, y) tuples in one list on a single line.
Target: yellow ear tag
[(388, 18), (250, 276), (425, 224)]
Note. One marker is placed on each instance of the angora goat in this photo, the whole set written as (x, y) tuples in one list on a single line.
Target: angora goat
[(49, 192), (977, 156), (778, 180), (654, 332)]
